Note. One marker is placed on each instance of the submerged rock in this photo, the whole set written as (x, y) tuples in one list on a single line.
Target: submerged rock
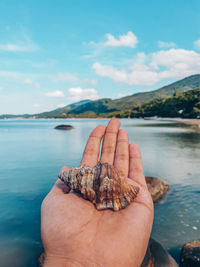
[(190, 254), (157, 188), (64, 127), (157, 256)]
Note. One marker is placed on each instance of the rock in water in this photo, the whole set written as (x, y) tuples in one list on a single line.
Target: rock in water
[(190, 254), (157, 188), (157, 256), (64, 127), (102, 185)]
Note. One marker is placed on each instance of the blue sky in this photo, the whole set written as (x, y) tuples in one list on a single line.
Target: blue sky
[(56, 52)]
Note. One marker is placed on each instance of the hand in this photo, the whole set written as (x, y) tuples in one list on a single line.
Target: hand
[(74, 233)]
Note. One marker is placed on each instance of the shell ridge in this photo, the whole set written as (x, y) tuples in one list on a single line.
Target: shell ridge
[(101, 185)]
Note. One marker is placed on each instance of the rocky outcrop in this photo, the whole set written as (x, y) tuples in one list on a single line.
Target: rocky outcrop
[(190, 254), (64, 127), (157, 188), (157, 256)]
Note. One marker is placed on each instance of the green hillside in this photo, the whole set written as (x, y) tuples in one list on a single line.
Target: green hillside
[(95, 108), (61, 112), (106, 107), (183, 105), (186, 84), (49, 114)]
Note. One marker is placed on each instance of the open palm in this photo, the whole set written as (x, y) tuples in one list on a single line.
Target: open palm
[(74, 233)]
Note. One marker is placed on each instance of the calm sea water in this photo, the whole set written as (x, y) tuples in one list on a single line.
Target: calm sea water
[(32, 154)]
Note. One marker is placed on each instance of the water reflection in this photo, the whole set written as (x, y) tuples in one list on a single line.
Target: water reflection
[(160, 124), (32, 153), (182, 139)]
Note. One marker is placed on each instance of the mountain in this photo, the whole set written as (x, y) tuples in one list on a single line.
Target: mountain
[(95, 108), (88, 108), (186, 84), (61, 111), (184, 105), (48, 114)]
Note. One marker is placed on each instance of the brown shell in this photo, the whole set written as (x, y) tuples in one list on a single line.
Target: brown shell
[(102, 185)]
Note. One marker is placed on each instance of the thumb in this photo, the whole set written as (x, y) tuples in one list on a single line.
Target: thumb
[(59, 187)]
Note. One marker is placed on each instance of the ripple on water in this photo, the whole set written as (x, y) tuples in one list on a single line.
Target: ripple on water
[(32, 153), (176, 221)]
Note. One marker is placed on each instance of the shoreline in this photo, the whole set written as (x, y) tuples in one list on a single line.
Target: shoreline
[(193, 123), (186, 121)]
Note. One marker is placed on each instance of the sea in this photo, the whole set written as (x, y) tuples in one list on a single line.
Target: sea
[(32, 153)]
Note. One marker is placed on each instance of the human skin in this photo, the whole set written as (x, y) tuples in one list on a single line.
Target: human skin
[(74, 233)]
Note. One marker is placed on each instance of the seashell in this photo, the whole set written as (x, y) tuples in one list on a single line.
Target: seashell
[(101, 184)]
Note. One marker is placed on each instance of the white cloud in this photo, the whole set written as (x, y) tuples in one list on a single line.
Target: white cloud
[(73, 78), (119, 95), (61, 105), (56, 93), (29, 81), (111, 72), (155, 67), (66, 77), (162, 44), (197, 44), (36, 105), (9, 47), (179, 59), (37, 85), (92, 82), (130, 40), (77, 94), (11, 74), (96, 49), (21, 77), (140, 58)]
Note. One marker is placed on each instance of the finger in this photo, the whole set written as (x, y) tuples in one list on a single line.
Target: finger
[(59, 187), (121, 161), (109, 142), (91, 152), (136, 171)]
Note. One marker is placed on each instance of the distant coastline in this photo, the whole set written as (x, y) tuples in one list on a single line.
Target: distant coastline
[(179, 99), (194, 123)]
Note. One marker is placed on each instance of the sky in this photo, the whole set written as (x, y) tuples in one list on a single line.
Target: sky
[(56, 52)]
